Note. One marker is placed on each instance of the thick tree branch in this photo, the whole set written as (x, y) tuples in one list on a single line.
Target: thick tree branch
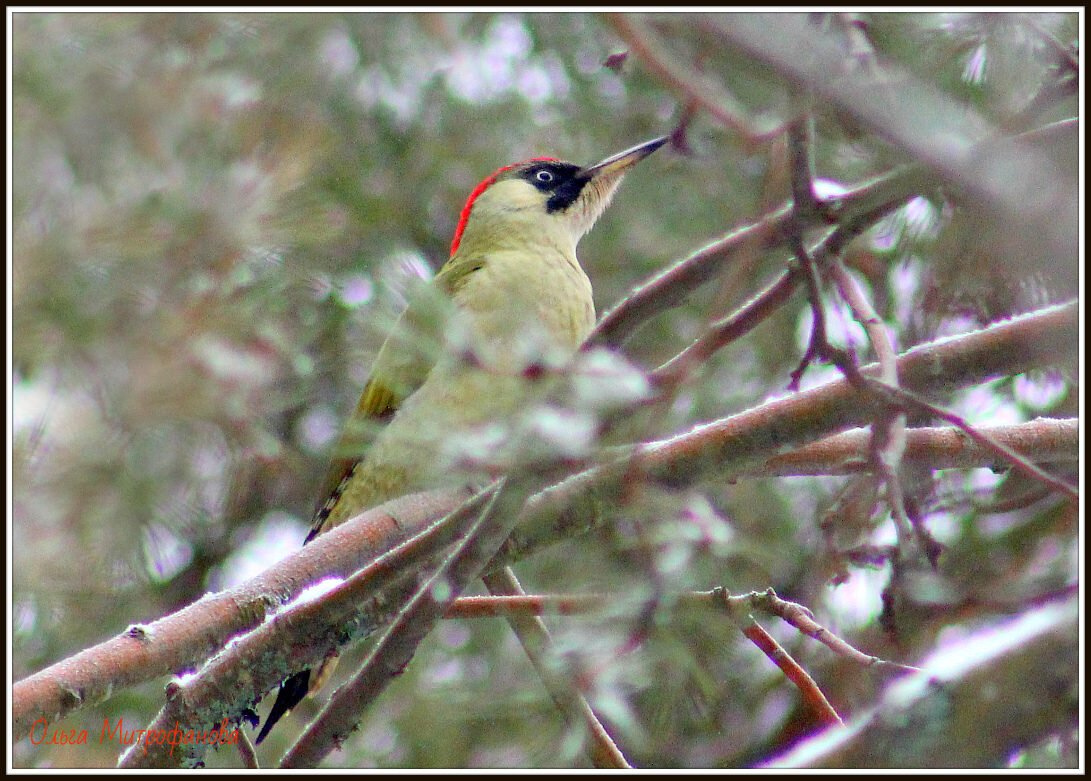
[(739, 445), (240, 675), (1043, 440), (184, 640)]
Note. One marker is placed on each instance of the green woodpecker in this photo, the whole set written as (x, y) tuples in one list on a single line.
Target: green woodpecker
[(515, 295)]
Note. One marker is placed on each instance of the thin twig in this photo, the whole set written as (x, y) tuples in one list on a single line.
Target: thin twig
[(805, 206), (812, 695), (805, 202), (908, 400), (793, 613), (818, 345), (803, 619), (677, 282), (724, 332), (534, 637), (499, 606), (855, 211), (694, 87), (888, 429), (246, 752)]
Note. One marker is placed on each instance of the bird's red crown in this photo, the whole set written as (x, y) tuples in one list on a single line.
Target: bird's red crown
[(464, 217)]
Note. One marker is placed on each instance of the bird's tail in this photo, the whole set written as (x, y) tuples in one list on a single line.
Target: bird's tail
[(292, 691)]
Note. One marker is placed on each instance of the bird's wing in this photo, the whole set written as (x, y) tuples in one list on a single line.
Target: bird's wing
[(404, 360), (376, 405)]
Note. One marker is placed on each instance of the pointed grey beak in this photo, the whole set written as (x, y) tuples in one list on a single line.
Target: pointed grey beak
[(617, 164)]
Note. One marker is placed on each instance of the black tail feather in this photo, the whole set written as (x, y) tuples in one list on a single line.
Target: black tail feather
[(291, 693)]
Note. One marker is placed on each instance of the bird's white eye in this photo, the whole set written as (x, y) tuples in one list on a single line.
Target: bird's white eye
[(544, 176)]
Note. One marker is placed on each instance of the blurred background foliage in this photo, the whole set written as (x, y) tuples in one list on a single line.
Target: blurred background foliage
[(214, 217)]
